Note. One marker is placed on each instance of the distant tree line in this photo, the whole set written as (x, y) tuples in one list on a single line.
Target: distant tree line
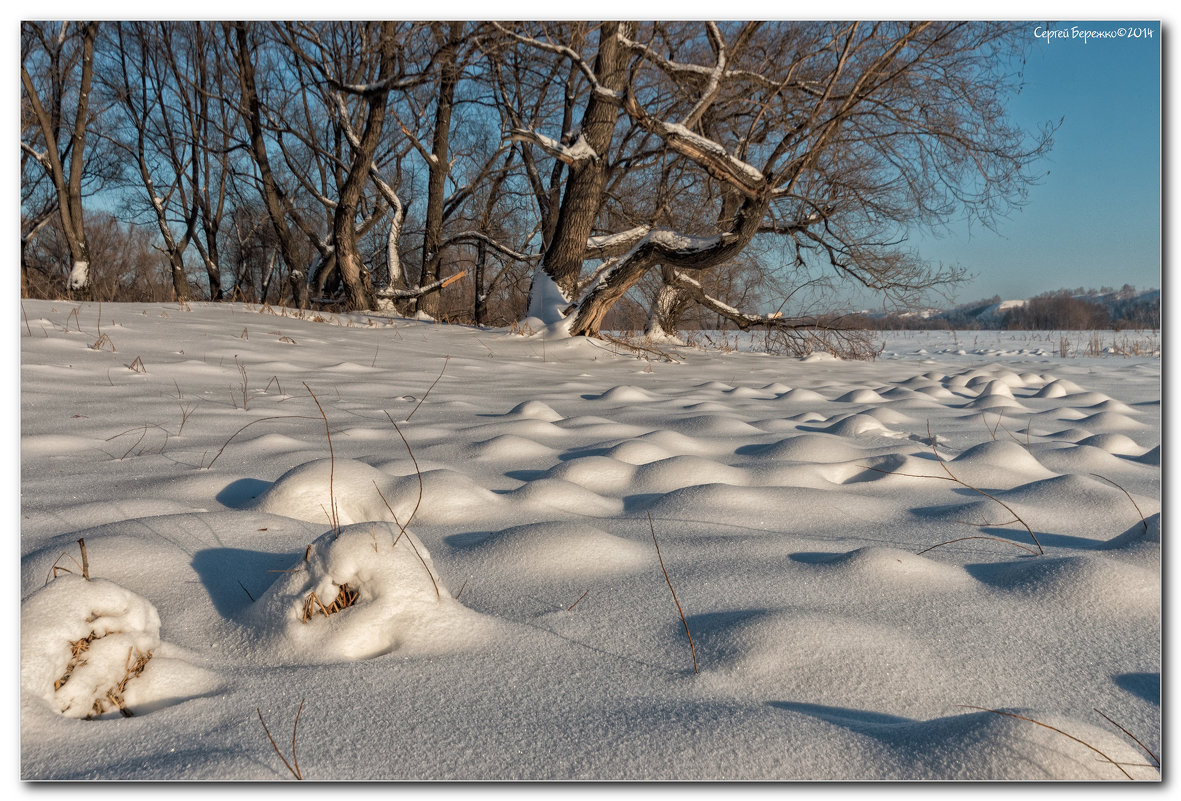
[(1061, 310), (661, 173)]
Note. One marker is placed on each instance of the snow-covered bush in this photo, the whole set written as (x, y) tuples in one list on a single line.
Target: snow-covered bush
[(370, 590), (83, 642)]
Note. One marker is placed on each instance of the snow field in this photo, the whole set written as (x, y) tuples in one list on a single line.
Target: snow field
[(514, 622)]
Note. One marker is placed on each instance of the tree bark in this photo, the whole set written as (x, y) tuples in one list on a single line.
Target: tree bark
[(68, 184), (438, 167), (272, 194), (583, 196)]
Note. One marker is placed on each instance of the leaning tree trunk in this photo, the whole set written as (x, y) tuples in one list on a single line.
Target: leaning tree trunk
[(583, 195)]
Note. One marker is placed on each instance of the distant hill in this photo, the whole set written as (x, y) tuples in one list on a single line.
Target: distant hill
[(1062, 310)]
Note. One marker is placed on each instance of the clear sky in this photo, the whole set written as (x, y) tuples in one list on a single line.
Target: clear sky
[(1095, 219)]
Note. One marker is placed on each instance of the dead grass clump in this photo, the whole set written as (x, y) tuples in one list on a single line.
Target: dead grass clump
[(113, 698), (344, 599), (103, 341), (136, 662), (78, 649)]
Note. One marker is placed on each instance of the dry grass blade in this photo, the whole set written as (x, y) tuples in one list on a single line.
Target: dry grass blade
[(681, 612), (402, 531), (335, 519), (953, 477), (979, 537), (85, 559), (428, 391), (1054, 729), (295, 771), (417, 471), (245, 383), (1130, 498), (248, 425), (1132, 737), (580, 597)]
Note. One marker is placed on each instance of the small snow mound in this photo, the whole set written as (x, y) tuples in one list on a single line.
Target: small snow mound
[(1089, 584), (637, 451), (1118, 444), (799, 395), (1008, 456), (1058, 388), (996, 389), (812, 448), (307, 492), (564, 497), (1145, 533), (855, 425), (676, 472), (507, 447), (534, 410), (891, 566), (1111, 405), (627, 394), (820, 356), (81, 641), (861, 396), (596, 473), (1088, 399), (55, 444), (1104, 422), (744, 392), (539, 552), (714, 425), (369, 591), (1150, 456)]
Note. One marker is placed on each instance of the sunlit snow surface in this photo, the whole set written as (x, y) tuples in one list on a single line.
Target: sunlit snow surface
[(509, 618)]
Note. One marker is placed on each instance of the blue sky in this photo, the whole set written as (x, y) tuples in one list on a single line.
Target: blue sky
[(1095, 219)]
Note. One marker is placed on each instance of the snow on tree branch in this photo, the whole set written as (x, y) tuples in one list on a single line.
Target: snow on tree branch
[(572, 154)]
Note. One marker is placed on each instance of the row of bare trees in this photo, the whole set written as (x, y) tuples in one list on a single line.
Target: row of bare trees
[(416, 166)]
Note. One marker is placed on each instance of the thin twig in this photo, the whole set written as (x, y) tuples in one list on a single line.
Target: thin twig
[(681, 612), (413, 547), (334, 518), (1051, 728), (428, 390), (248, 425), (417, 471), (85, 561), (580, 597), (295, 771), (979, 537), (1130, 498), (1133, 738)]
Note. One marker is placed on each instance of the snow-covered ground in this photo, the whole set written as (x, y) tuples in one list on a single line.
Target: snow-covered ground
[(243, 494)]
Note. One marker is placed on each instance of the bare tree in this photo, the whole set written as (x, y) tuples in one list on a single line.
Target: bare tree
[(56, 58), (836, 137)]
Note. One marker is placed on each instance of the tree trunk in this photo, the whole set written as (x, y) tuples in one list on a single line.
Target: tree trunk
[(272, 195), (481, 300), (357, 280), (68, 184), (439, 168), (588, 177)]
